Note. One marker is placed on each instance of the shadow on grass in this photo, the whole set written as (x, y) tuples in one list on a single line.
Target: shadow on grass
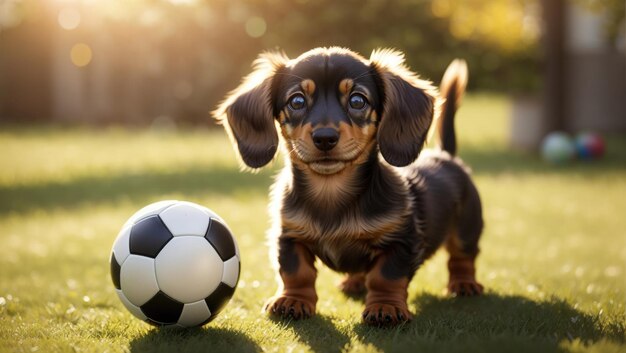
[(227, 181), (318, 332), (207, 339), (491, 322), (141, 186)]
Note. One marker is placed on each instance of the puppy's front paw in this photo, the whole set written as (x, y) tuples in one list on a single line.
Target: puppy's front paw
[(386, 315), (464, 287), (288, 307)]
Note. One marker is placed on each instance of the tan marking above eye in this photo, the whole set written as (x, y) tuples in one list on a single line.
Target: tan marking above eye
[(345, 86), (308, 86)]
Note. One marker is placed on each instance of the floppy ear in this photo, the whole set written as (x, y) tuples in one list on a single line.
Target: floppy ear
[(247, 113), (408, 108)]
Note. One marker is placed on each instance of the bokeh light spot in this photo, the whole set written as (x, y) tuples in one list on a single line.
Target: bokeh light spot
[(81, 54), (10, 14), (462, 27), (69, 18), (441, 8), (256, 27)]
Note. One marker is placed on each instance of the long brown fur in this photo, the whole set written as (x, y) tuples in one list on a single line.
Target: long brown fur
[(352, 193)]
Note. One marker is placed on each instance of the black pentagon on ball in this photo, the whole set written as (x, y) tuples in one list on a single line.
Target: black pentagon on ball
[(219, 298), (221, 239), (153, 323), (149, 236), (115, 271), (162, 309)]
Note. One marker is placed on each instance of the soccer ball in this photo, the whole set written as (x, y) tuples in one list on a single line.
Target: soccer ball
[(175, 263)]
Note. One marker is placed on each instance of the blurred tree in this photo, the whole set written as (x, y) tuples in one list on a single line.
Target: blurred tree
[(498, 38), (615, 11), (180, 57)]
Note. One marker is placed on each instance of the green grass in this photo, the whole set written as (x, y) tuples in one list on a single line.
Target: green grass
[(553, 259)]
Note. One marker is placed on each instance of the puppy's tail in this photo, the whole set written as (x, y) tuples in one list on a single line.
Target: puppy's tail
[(451, 91)]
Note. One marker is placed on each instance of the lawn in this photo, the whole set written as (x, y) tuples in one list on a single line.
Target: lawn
[(553, 255)]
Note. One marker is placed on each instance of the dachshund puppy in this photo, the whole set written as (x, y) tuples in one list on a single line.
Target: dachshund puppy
[(352, 193)]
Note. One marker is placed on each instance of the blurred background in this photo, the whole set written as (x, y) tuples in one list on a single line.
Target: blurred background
[(169, 62), (104, 108)]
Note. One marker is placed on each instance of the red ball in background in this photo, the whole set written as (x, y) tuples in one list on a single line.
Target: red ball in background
[(589, 146)]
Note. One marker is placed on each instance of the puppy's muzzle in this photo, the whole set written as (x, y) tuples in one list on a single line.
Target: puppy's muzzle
[(325, 139)]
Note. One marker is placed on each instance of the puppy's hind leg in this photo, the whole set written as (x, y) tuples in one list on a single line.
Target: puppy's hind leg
[(462, 244), (353, 285)]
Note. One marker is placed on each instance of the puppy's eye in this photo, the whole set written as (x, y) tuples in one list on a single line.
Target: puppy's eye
[(357, 101), (297, 102)]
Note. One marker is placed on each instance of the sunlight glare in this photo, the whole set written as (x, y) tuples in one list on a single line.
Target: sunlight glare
[(183, 2)]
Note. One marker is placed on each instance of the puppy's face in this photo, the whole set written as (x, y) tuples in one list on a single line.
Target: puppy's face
[(327, 111), (332, 107)]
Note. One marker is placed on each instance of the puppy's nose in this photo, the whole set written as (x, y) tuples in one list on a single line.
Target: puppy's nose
[(325, 139)]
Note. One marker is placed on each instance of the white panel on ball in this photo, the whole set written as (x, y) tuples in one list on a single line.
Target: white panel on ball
[(188, 269), (212, 214), (121, 246), (185, 218), (231, 271), (132, 308), (194, 314), (138, 279), (150, 210)]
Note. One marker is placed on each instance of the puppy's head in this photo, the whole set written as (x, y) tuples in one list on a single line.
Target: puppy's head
[(332, 107)]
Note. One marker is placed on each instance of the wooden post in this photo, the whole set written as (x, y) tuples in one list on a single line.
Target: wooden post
[(554, 64)]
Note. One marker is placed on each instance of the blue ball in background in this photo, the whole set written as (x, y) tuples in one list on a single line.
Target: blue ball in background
[(589, 146), (582, 148), (558, 148)]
